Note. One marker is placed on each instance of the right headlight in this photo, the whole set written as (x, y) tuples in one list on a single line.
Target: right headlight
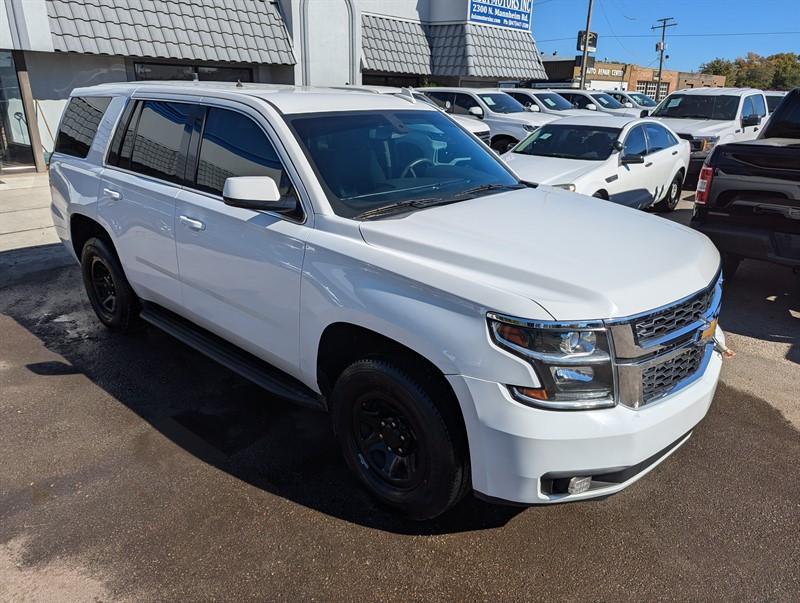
[(572, 361)]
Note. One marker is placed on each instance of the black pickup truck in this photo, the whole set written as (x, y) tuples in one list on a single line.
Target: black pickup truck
[(748, 193)]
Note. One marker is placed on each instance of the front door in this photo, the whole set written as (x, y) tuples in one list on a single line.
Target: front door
[(240, 269), (633, 185)]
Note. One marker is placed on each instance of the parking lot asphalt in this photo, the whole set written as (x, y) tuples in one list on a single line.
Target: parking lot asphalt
[(134, 468)]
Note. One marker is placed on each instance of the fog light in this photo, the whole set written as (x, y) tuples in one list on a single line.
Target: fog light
[(579, 484)]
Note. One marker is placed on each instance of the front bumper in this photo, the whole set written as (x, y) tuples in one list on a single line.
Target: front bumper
[(516, 450)]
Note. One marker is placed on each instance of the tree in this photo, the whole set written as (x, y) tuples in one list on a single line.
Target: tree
[(720, 67), (787, 70)]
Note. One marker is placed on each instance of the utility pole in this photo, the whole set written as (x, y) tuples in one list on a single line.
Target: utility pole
[(585, 59), (663, 24)]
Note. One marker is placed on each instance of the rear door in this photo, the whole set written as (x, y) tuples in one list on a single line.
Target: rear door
[(143, 173), (634, 179), (662, 154), (240, 269)]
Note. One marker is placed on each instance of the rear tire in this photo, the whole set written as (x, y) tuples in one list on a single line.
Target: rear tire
[(670, 200), (400, 437), (110, 294)]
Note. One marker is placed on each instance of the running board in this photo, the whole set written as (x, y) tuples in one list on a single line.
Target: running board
[(239, 361)]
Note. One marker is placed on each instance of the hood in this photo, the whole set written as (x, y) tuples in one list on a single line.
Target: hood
[(578, 257), (549, 170), (472, 124), (695, 127), (529, 117)]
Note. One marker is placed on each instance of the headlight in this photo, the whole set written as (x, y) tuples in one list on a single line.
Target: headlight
[(707, 142), (529, 128), (573, 362), (567, 187)]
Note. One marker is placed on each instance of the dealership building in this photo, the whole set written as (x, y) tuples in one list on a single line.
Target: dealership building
[(49, 47)]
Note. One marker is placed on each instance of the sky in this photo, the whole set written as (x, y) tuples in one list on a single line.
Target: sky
[(619, 24)]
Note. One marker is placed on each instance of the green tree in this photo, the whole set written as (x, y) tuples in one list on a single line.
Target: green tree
[(787, 70), (720, 67), (754, 71)]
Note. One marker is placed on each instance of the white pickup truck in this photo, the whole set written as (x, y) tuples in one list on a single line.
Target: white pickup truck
[(710, 116), (363, 254)]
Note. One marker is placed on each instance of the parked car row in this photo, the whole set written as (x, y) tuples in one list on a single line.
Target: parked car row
[(366, 255)]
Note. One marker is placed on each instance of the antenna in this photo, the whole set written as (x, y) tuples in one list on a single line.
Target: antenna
[(407, 94), (239, 84)]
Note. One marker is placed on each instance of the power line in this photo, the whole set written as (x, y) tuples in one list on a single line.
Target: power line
[(694, 35)]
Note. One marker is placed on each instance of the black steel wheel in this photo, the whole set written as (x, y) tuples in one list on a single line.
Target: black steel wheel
[(400, 437), (110, 294)]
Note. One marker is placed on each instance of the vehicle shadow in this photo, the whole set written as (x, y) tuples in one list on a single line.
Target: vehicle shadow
[(211, 412), (762, 301)]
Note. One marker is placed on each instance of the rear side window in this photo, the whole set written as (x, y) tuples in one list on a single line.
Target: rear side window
[(157, 148), (785, 122), (79, 125), (658, 138), (234, 145)]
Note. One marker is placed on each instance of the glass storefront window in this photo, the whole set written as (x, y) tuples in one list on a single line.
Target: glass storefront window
[(15, 141), (169, 71)]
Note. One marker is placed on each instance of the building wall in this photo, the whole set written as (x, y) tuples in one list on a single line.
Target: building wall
[(700, 80), (53, 76)]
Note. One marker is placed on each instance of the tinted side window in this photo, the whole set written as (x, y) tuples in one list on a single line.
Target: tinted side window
[(748, 108), (658, 138), (523, 99), (635, 143), (462, 104), (119, 134), (579, 100), (785, 122), (234, 145), (157, 147), (443, 99), (759, 105), (79, 124)]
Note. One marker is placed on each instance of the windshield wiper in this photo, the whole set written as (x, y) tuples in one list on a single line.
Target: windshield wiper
[(485, 188), (393, 208)]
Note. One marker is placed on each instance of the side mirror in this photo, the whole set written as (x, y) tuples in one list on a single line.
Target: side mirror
[(256, 192), (628, 105), (534, 107), (750, 120), (591, 107), (476, 112), (617, 146), (631, 159)]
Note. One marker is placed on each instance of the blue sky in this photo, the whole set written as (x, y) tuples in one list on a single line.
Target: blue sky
[(617, 20)]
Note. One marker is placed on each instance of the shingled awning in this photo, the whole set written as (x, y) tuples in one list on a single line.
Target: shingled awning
[(247, 31), (460, 49)]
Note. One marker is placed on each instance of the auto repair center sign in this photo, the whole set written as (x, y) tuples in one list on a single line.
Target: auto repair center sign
[(515, 14)]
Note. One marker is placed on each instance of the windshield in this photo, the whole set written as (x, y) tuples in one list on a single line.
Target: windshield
[(554, 101), (366, 160), (698, 106), (642, 99), (606, 101), (570, 142), (500, 102)]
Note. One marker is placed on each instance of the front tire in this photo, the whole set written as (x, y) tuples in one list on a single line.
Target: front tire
[(110, 294), (670, 200), (399, 437)]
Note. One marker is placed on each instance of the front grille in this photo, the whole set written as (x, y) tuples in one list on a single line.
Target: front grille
[(673, 318), (660, 379)]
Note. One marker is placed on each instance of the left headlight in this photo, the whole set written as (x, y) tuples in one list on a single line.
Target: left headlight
[(567, 187), (573, 362), (707, 142)]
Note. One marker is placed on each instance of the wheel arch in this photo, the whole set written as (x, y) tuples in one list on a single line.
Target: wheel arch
[(82, 228)]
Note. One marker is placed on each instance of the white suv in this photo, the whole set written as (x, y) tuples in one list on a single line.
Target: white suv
[(709, 116), (508, 120), (363, 254)]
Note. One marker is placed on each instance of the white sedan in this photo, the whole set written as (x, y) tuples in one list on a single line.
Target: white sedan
[(636, 162)]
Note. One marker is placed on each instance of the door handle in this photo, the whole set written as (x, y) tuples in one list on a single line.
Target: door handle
[(112, 194), (648, 164), (674, 152), (192, 223)]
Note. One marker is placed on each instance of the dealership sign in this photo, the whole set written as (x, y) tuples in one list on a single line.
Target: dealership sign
[(515, 14)]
